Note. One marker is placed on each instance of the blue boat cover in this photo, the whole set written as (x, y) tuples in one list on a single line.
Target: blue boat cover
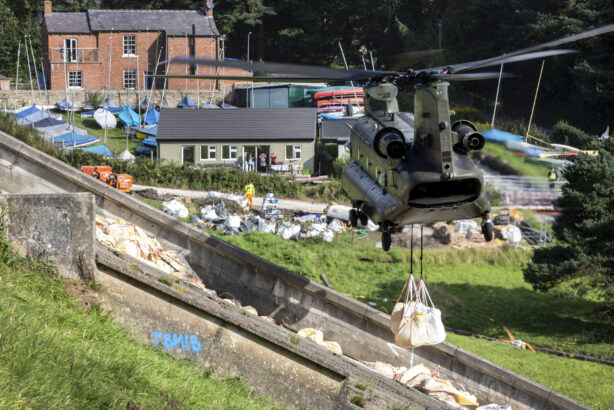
[(151, 131), (72, 138), (224, 105), (150, 142), (144, 150), (209, 105), (66, 104), (107, 103), (47, 122), (87, 108), (129, 118), (494, 134), (26, 112), (151, 117), (326, 116), (145, 104), (186, 103), (100, 150), (32, 118)]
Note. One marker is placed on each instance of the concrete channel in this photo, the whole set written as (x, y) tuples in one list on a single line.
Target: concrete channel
[(271, 358)]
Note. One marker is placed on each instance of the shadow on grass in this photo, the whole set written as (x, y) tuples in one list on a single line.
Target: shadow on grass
[(486, 309)]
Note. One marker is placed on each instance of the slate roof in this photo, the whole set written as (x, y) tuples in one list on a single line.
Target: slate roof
[(175, 22), (262, 124), (337, 130)]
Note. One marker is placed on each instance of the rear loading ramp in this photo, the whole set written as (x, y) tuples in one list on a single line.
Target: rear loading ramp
[(291, 299)]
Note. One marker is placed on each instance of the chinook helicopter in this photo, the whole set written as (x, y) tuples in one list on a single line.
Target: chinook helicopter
[(405, 168)]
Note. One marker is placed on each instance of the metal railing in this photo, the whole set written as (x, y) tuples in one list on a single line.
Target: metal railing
[(81, 55)]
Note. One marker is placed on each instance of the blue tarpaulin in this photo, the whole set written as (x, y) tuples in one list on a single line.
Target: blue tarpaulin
[(47, 122), (150, 132), (129, 118), (209, 105), (186, 103), (144, 150), (224, 105), (150, 142), (100, 150), (325, 116), (151, 117), (26, 112), (66, 104), (32, 118), (71, 139), (87, 108), (494, 134)]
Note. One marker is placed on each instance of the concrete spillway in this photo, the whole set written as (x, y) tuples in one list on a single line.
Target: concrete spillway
[(271, 358)]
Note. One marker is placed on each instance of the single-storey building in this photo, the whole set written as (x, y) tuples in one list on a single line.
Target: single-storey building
[(338, 132), (230, 137), (5, 83)]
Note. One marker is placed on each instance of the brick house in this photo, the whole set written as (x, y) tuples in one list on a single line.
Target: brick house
[(79, 48)]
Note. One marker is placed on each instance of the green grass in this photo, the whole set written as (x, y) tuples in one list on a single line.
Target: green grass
[(518, 163), (53, 354), (116, 139), (476, 290)]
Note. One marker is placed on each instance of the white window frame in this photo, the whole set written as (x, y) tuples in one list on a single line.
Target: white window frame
[(296, 149), (232, 149), (71, 48), (183, 150), (77, 75), (127, 71), (129, 43), (211, 152)]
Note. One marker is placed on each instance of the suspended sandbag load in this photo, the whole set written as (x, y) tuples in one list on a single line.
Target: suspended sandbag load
[(67, 105), (72, 139), (129, 117), (186, 102), (104, 118), (27, 111), (100, 150), (209, 106), (151, 117)]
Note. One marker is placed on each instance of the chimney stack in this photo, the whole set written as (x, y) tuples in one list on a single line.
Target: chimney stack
[(47, 8), (209, 8)]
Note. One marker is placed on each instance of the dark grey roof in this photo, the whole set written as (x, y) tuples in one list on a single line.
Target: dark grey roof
[(68, 23), (336, 130), (238, 124), (3, 77), (175, 22)]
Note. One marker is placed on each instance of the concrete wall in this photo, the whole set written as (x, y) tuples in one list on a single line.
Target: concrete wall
[(57, 228), (291, 299)]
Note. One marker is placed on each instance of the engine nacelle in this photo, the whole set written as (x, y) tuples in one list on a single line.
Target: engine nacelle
[(390, 143), (468, 137)]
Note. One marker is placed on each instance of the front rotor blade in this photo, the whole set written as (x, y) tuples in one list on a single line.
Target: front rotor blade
[(506, 59), (299, 70), (406, 59), (468, 76), (256, 79), (565, 40)]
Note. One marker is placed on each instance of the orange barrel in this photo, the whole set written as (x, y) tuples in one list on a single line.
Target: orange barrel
[(124, 182)]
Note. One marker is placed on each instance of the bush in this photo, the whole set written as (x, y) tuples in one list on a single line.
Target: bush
[(339, 165), (564, 133), (467, 113)]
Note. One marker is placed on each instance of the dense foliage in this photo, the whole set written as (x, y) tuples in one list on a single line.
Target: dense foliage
[(577, 87), (584, 253)]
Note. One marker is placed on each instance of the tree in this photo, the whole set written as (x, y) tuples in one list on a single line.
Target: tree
[(585, 250), (8, 40)]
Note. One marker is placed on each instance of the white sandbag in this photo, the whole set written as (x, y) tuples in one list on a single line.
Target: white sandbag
[(511, 234), (463, 225), (412, 330), (434, 326), (313, 334), (382, 368), (370, 226), (415, 375), (332, 346), (335, 226), (233, 221), (128, 247), (289, 231), (175, 208), (493, 406), (266, 226), (251, 222), (250, 309), (328, 235)]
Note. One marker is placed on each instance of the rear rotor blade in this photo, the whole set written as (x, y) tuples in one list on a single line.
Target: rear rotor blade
[(468, 76), (406, 59), (506, 59), (299, 70), (256, 79)]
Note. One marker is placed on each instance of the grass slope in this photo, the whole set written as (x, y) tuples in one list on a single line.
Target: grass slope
[(116, 139), (476, 290), (520, 164), (53, 354)]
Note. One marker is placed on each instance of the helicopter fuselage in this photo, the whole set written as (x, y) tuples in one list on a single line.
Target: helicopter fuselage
[(414, 168)]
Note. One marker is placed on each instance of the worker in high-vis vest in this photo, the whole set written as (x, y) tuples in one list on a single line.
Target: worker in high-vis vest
[(552, 177), (249, 193)]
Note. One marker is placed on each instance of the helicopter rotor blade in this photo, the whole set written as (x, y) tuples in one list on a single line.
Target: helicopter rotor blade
[(468, 76), (565, 40), (506, 59), (256, 79), (298, 70), (405, 59)]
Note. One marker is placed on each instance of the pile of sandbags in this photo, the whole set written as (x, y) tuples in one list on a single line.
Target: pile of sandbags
[(318, 337), (175, 208), (421, 378), (239, 199), (132, 240)]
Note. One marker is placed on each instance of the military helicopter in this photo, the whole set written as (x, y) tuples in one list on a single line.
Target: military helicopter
[(406, 168)]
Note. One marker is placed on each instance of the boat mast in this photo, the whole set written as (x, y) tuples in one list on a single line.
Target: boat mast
[(17, 73)]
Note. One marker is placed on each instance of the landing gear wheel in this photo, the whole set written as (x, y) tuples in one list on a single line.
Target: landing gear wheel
[(363, 219), (487, 231), (353, 218), (386, 240)]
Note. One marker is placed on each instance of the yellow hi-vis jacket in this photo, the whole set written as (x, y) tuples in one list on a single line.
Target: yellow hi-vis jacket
[(552, 176), (249, 189)]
